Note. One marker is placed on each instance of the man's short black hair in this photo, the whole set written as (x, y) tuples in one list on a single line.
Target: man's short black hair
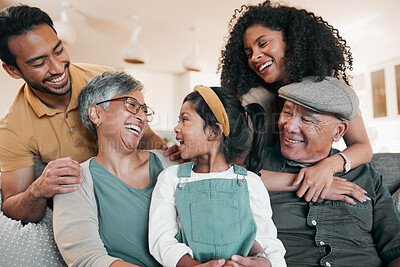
[(17, 20)]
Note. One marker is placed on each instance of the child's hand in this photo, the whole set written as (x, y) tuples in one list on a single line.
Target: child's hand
[(238, 261), (342, 189), (315, 181), (256, 248)]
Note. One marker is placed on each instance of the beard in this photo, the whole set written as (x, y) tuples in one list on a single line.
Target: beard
[(59, 90)]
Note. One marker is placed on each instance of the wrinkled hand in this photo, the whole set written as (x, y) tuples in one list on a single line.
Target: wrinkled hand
[(213, 263), (59, 177), (173, 153), (238, 261), (315, 182), (342, 189)]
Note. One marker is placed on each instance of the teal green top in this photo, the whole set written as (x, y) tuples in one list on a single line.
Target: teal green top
[(124, 213)]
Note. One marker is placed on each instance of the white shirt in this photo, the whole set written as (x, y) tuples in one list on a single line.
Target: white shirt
[(164, 223)]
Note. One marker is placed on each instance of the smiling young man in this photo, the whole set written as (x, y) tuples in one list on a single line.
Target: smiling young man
[(364, 231), (43, 119)]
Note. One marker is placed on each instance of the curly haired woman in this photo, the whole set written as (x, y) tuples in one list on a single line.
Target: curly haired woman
[(271, 45)]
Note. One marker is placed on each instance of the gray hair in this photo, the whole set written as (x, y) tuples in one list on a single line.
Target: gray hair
[(104, 87)]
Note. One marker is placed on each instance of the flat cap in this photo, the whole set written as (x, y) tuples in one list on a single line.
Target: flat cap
[(327, 96)]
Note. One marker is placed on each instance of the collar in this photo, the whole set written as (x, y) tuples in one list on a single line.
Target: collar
[(77, 83)]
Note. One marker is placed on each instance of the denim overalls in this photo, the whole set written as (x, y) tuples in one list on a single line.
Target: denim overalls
[(215, 215)]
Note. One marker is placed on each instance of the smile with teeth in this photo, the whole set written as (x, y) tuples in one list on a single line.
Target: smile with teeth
[(133, 128), (180, 141), (292, 141), (264, 66), (59, 79)]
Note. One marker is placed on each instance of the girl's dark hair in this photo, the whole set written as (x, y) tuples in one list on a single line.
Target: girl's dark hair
[(313, 46), (243, 139), (17, 20)]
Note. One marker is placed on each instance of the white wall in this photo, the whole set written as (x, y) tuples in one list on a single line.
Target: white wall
[(8, 89), (383, 132)]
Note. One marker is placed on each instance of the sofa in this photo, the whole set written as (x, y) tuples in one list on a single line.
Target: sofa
[(33, 244)]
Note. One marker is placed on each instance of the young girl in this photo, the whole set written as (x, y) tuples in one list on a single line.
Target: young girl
[(211, 209)]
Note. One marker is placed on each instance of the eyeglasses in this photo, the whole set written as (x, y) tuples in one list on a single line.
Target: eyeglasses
[(133, 106)]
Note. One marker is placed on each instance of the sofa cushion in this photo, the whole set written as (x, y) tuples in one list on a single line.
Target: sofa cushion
[(388, 164), (28, 245), (396, 199)]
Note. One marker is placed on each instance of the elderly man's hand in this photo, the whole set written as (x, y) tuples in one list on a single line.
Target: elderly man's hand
[(344, 190)]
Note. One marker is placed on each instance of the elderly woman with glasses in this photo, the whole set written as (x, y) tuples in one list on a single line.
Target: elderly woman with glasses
[(105, 221)]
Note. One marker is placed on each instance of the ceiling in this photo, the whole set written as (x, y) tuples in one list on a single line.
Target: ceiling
[(104, 28)]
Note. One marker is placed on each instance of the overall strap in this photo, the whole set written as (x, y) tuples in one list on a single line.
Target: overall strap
[(239, 170), (185, 170)]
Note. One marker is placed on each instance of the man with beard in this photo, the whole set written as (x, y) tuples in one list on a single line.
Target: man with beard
[(43, 120)]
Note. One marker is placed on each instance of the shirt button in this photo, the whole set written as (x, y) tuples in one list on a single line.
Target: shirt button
[(314, 222), (66, 116), (322, 243), (327, 264)]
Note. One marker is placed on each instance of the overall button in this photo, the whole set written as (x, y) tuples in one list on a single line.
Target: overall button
[(327, 264), (314, 222), (73, 130), (322, 243), (66, 116)]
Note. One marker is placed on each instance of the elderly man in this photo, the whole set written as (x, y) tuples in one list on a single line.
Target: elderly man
[(327, 232), (44, 118)]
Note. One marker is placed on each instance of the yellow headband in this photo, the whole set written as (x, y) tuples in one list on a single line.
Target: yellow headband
[(215, 105)]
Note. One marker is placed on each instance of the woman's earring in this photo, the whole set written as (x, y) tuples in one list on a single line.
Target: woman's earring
[(210, 135), (98, 124)]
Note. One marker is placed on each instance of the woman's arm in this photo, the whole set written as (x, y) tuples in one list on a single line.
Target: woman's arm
[(316, 180), (75, 225), (340, 189), (278, 181), (358, 149)]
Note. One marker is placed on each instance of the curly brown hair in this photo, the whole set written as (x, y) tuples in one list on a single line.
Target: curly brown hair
[(313, 46)]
